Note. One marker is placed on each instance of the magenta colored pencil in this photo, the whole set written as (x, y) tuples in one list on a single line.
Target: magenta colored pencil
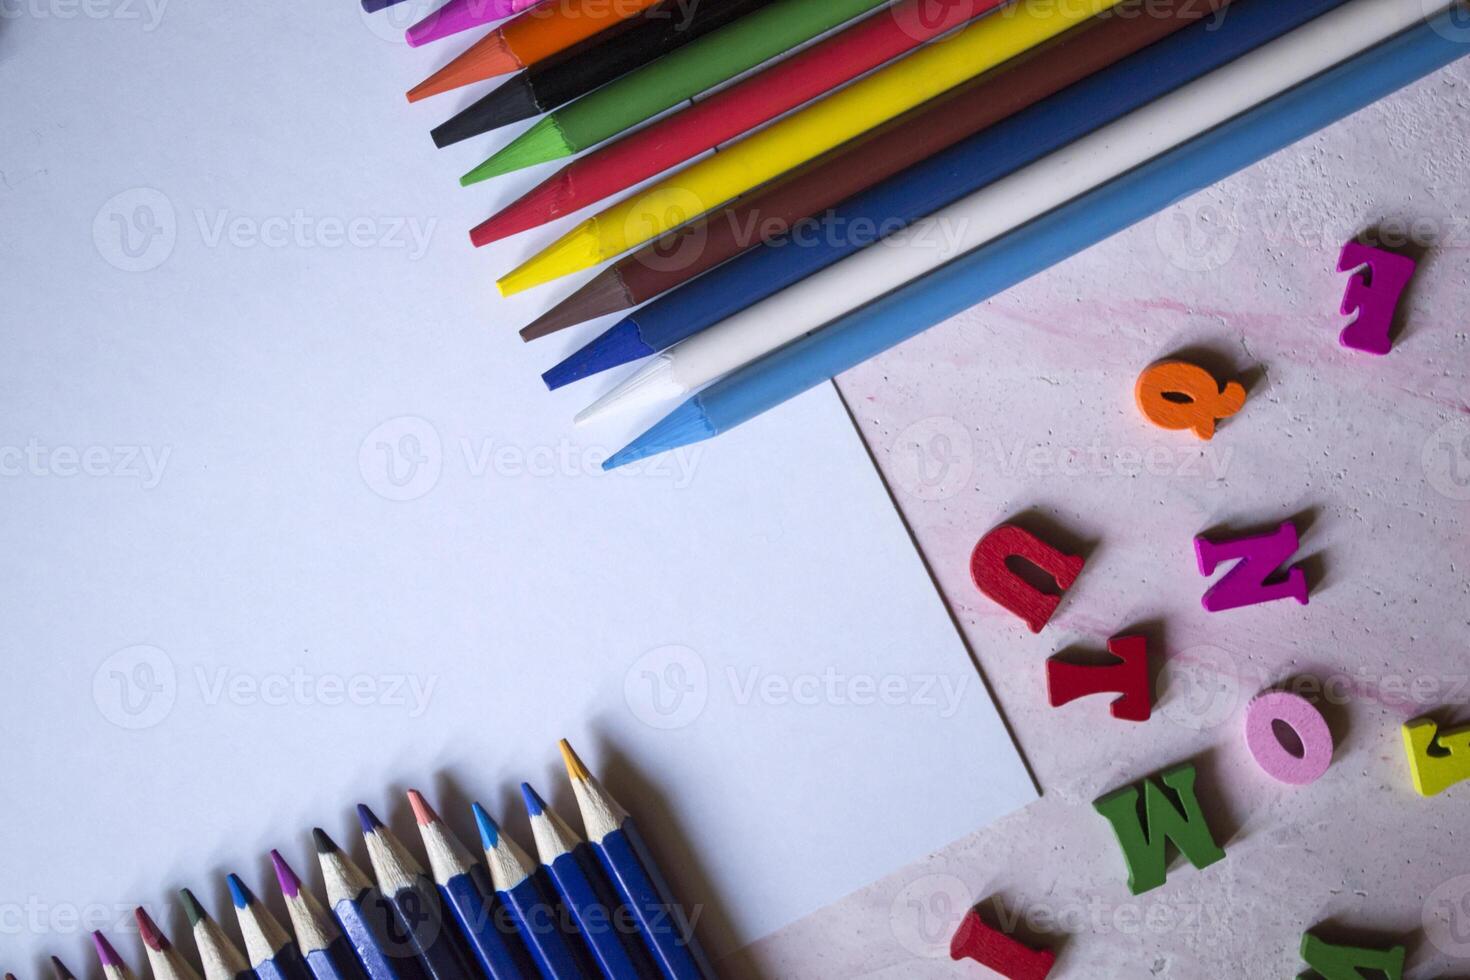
[(461, 15)]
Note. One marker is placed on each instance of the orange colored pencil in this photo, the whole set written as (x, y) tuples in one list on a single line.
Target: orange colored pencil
[(525, 39)]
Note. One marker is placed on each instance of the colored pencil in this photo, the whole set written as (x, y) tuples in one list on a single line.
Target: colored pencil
[(462, 15), (620, 849), (527, 894), (371, 6), (940, 180), (164, 961), (803, 135), (366, 918), (325, 950), (270, 951), (643, 94), (531, 36), (1206, 159), (586, 893), (467, 890), (740, 108), (415, 901), (113, 967), (60, 970), (1009, 202), (221, 959), (680, 255), (591, 64)]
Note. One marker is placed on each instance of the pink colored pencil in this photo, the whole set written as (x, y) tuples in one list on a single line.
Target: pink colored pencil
[(461, 15)]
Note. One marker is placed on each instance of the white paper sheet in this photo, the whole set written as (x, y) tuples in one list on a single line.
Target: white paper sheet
[(289, 521)]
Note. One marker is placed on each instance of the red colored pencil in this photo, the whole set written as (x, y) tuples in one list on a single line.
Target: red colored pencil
[(725, 115)]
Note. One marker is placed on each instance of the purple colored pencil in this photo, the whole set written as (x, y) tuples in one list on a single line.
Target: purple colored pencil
[(462, 15)]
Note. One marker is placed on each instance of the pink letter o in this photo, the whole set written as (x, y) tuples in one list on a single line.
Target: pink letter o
[(1304, 719)]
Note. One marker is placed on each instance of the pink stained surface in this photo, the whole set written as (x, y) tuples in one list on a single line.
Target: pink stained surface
[(1022, 407)]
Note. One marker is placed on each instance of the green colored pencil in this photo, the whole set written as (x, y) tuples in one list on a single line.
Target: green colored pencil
[(694, 68)]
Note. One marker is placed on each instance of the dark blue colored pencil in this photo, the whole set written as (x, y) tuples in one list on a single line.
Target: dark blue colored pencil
[(366, 918), (326, 951), (465, 886), (527, 894), (272, 954), (614, 838), (587, 893), (415, 901)]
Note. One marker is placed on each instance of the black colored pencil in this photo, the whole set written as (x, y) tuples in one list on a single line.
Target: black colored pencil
[(592, 63)]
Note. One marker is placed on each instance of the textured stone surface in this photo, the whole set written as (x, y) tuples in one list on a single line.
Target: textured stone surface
[(1023, 406)]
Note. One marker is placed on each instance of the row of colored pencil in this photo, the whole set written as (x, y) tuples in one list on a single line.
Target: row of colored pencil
[(587, 908), (915, 162)]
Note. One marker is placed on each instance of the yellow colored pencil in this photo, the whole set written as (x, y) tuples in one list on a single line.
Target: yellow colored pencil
[(833, 120)]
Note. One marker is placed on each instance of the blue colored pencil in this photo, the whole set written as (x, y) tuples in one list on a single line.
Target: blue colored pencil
[(527, 894), (221, 959), (587, 893), (272, 954), (465, 886), (415, 901), (366, 918), (620, 849), (942, 179), (165, 962), (1060, 234), (326, 951)]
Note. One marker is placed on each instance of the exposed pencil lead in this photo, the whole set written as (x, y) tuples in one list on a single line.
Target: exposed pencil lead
[(240, 892), (367, 819), (285, 876), (513, 101), (153, 937), (489, 831)]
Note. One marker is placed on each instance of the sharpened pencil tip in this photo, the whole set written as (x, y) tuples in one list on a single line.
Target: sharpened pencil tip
[(192, 909), (575, 769), (285, 876), (422, 812), (153, 937), (61, 970), (239, 892), (367, 818), (684, 426), (535, 805), (322, 843), (106, 955), (489, 831)]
